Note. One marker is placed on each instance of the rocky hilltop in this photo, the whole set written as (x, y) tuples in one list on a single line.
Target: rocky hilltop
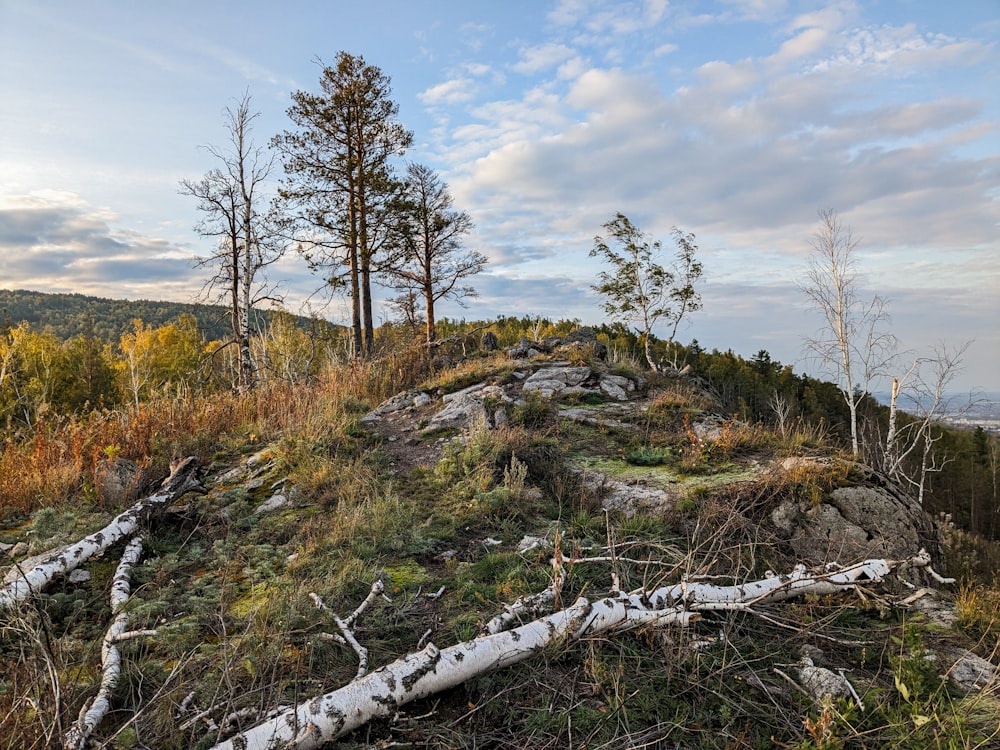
[(507, 487)]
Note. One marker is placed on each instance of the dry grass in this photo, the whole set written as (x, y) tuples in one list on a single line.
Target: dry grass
[(59, 462), (679, 395), (229, 592)]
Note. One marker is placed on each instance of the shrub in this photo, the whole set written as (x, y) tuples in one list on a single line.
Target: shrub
[(648, 455)]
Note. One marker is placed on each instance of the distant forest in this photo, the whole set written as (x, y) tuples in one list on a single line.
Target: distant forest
[(70, 315)]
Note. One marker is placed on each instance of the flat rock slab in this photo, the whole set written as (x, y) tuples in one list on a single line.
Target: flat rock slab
[(595, 418), (550, 381), (629, 498)]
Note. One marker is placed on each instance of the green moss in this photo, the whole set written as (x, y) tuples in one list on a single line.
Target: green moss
[(407, 575)]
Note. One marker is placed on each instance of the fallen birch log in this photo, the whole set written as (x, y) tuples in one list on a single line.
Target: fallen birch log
[(181, 480), (432, 670), (111, 662)]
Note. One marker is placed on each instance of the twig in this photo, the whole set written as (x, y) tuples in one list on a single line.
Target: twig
[(377, 589), (857, 698), (345, 624), (830, 638), (632, 560), (793, 683), (437, 594), (423, 639), (615, 579)]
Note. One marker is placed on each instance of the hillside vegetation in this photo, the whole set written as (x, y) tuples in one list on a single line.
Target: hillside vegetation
[(67, 316), (333, 475)]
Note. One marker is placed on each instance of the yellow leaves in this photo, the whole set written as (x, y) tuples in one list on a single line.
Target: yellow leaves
[(152, 357), (901, 687)]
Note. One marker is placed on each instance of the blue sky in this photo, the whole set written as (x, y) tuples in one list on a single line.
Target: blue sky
[(736, 120)]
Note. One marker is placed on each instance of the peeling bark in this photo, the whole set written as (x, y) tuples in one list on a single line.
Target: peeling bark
[(111, 663), (181, 480), (433, 670)]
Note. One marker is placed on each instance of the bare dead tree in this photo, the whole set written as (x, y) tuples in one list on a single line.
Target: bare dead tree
[(924, 383), (236, 214), (782, 407)]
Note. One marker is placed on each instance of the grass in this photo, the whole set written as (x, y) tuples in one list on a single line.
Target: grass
[(228, 590)]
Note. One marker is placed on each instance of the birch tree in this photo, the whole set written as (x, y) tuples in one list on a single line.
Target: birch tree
[(638, 290), (431, 670), (182, 479), (235, 214), (853, 345), (907, 451)]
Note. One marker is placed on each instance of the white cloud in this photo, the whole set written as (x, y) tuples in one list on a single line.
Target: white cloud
[(54, 241), (744, 154), (453, 91), (901, 50), (478, 69), (805, 43), (246, 67), (656, 10), (831, 18), (542, 57), (568, 12)]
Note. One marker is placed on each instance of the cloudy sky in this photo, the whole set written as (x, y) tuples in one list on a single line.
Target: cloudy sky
[(737, 120)]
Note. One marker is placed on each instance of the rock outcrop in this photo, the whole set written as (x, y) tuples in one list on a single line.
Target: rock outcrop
[(871, 519)]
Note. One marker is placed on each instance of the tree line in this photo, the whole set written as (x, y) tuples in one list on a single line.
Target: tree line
[(69, 315), (42, 374)]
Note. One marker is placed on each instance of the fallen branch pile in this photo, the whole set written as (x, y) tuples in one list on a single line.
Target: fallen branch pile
[(432, 670)]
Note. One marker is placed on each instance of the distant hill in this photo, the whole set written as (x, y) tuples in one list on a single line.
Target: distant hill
[(69, 315)]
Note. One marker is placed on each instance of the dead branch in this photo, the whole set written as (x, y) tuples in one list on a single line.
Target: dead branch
[(181, 480), (344, 624), (433, 670), (111, 663)]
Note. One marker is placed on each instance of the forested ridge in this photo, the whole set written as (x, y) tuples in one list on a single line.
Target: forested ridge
[(69, 315)]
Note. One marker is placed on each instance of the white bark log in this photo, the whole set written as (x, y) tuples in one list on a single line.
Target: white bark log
[(111, 663), (433, 670), (34, 580)]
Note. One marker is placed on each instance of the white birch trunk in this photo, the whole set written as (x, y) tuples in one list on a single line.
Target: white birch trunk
[(111, 663), (433, 670), (35, 579)]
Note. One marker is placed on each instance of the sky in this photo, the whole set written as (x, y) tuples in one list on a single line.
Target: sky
[(734, 120)]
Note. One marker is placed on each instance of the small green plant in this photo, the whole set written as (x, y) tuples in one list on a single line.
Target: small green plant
[(533, 411), (649, 455), (586, 398)]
